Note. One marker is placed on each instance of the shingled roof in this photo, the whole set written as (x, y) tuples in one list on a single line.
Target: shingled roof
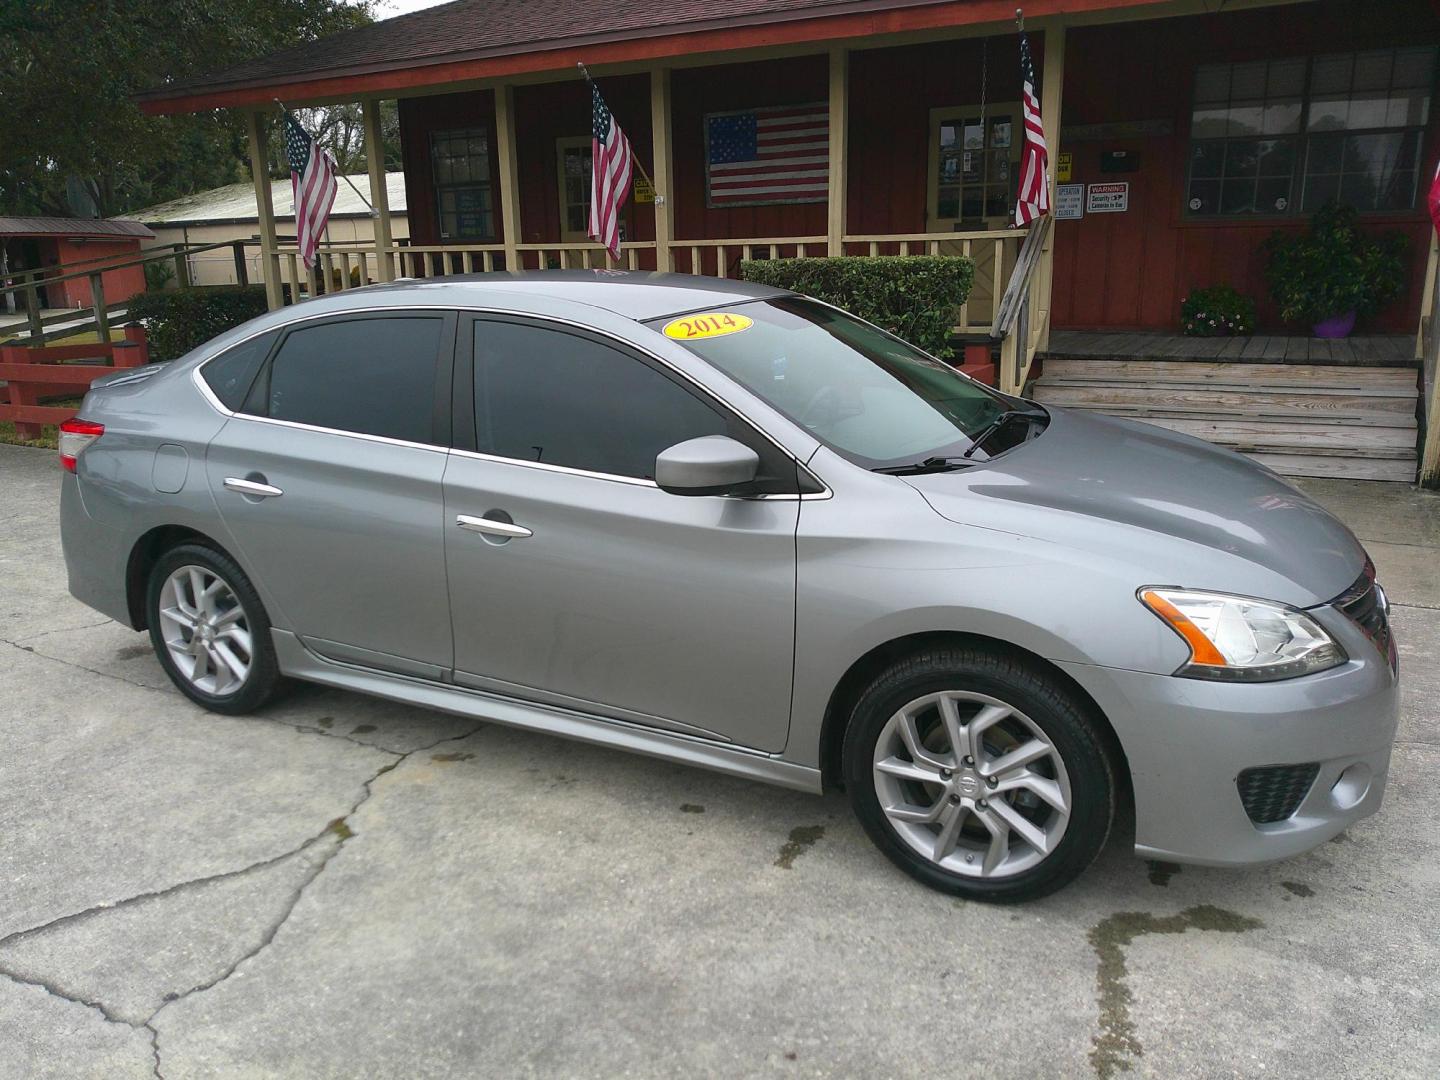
[(465, 29), (477, 39)]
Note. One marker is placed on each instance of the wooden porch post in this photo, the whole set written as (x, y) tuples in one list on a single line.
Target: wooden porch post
[(1428, 348), (1052, 85), (839, 137), (260, 173), (379, 190), (660, 155), (506, 155)]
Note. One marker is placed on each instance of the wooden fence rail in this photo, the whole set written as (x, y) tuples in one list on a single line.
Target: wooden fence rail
[(32, 373)]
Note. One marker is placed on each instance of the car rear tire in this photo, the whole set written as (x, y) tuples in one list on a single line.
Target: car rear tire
[(979, 774), (210, 630)]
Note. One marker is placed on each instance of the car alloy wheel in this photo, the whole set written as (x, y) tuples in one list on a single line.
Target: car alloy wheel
[(206, 630), (971, 784)]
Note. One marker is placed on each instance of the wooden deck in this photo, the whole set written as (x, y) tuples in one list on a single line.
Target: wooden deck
[(1367, 350)]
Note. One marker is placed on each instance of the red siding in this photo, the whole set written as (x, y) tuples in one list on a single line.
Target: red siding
[(419, 118), (119, 284), (1132, 269), (1112, 270), (891, 94)]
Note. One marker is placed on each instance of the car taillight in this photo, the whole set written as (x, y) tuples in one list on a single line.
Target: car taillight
[(75, 436)]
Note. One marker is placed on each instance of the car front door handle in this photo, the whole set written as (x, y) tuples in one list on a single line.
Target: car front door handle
[(491, 527), (251, 487)]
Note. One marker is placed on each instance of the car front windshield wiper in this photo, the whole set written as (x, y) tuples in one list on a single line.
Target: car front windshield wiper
[(998, 423), (929, 465)]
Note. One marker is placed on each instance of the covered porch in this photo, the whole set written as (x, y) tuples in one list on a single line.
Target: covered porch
[(495, 147)]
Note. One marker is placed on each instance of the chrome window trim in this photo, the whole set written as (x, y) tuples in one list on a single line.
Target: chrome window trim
[(545, 466), (199, 380)]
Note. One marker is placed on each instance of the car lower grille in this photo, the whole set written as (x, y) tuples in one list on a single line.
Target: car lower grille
[(1365, 605), (1272, 793)]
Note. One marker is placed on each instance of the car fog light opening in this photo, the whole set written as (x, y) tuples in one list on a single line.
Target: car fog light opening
[(1240, 639)]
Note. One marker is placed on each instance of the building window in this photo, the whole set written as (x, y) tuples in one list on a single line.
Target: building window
[(461, 160), (573, 155), (1287, 136), (973, 156)]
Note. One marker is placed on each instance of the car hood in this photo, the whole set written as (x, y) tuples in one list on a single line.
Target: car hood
[(1180, 510)]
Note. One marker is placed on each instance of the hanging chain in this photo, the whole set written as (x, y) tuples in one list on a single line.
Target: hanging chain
[(984, 83)]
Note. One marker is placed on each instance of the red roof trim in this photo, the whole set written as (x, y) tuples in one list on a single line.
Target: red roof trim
[(511, 61)]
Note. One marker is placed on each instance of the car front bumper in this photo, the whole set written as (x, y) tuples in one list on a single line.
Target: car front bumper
[(1187, 741)]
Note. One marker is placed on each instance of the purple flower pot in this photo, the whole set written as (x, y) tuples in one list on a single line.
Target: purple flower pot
[(1337, 326)]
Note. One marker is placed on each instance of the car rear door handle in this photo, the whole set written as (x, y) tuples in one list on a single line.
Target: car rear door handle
[(491, 527), (251, 487)]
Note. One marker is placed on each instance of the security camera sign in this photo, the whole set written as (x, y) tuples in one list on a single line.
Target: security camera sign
[(1107, 198)]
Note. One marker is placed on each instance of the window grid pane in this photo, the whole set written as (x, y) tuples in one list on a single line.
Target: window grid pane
[(462, 184), (1365, 121)]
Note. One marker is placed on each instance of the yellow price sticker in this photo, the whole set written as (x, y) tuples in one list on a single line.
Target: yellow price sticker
[(707, 324)]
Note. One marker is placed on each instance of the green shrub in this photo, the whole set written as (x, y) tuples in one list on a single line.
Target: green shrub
[(1334, 268), (1218, 311), (175, 322), (914, 297)]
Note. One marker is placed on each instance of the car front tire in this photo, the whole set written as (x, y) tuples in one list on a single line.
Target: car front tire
[(979, 774), (210, 630)]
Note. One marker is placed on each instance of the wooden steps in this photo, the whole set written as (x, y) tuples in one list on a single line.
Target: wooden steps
[(1298, 419)]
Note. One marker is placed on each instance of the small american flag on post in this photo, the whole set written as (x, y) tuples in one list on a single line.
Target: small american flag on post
[(1033, 198), (610, 163), (312, 174)]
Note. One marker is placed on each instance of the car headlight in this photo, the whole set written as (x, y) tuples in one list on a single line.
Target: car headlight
[(1241, 639)]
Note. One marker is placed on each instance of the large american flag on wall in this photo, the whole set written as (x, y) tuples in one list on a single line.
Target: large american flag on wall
[(772, 155)]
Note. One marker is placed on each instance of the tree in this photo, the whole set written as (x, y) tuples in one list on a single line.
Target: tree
[(341, 130), (69, 68)]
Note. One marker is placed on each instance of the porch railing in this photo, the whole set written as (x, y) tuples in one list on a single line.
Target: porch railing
[(1006, 265), (24, 287)]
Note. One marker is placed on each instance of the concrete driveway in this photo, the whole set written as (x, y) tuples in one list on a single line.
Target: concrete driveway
[(343, 887)]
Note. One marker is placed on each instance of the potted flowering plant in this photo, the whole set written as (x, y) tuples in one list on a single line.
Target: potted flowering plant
[(1334, 273), (1218, 311)]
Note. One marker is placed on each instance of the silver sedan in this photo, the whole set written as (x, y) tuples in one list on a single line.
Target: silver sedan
[(732, 527)]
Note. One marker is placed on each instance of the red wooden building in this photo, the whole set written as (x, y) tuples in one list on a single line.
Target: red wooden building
[(1182, 132), (35, 243)]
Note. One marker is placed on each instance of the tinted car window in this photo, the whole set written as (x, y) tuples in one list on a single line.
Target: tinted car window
[(372, 376), (230, 374), (554, 397)]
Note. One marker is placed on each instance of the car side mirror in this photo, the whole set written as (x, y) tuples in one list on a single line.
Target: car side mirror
[(712, 465)]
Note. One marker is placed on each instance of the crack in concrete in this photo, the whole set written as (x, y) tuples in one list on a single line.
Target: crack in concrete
[(60, 630), (57, 991), (82, 667), (339, 828)]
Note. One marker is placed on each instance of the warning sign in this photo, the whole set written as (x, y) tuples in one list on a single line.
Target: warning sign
[(1107, 198)]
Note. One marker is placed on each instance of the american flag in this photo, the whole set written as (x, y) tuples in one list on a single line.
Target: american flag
[(609, 173), (775, 155), (1033, 199), (312, 174)]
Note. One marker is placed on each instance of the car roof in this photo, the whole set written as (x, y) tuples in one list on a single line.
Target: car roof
[(633, 294)]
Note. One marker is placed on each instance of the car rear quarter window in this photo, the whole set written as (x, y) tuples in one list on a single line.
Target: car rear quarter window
[(230, 374), (370, 376), (558, 398)]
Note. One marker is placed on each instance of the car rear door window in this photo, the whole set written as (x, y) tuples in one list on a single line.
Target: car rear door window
[(230, 374), (370, 376), (561, 399)]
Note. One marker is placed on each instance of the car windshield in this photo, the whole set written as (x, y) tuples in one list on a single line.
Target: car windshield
[(865, 394)]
